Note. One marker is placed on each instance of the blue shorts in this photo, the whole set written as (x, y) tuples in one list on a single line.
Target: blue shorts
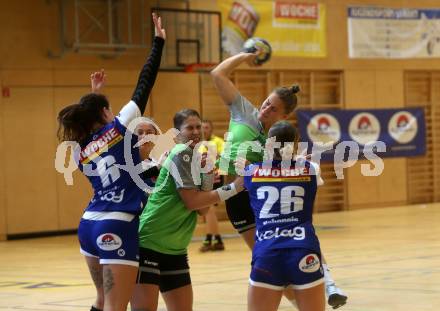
[(112, 237), (277, 269)]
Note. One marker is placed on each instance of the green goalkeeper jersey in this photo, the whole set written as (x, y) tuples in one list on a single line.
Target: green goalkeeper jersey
[(166, 225)]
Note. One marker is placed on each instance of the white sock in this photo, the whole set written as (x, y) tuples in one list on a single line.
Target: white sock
[(327, 276)]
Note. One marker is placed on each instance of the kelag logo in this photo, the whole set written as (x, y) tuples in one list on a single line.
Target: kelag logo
[(323, 127), (403, 127), (108, 242), (364, 127), (309, 263)]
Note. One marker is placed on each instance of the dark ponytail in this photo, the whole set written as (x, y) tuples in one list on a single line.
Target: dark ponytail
[(76, 122), (288, 96)]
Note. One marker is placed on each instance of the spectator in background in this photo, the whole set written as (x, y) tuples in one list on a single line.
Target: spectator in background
[(212, 228)]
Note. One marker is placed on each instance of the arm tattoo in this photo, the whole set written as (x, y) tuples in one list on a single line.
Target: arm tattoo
[(108, 280)]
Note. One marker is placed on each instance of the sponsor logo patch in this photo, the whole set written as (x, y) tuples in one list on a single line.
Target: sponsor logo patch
[(364, 128), (109, 242), (186, 158), (403, 127), (324, 128), (309, 263)]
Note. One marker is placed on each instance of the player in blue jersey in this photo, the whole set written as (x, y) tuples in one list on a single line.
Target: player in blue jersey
[(108, 229), (286, 251), (248, 123)]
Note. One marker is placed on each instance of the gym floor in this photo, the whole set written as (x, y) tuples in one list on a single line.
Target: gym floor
[(385, 259)]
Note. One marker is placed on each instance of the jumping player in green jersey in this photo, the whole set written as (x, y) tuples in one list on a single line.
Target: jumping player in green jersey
[(247, 123)]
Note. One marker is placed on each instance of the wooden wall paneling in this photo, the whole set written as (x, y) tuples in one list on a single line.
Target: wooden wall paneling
[(118, 96), (324, 90), (81, 77), (361, 191), (393, 180), (3, 214), (421, 178), (360, 93), (360, 86), (331, 195), (389, 88), (252, 84), (26, 78), (269, 82), (172, 93), (435, 115), (30, 178), (212, 105)]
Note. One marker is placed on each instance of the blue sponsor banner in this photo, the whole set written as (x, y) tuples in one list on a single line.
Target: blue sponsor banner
[(401, 131)]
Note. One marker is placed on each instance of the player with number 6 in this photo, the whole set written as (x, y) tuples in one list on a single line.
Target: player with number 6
[(108, 230)]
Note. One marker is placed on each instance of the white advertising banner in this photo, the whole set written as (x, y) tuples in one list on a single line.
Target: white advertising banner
[(375, 32)]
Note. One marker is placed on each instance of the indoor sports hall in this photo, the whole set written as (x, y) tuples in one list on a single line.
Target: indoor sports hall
[(368, 112)]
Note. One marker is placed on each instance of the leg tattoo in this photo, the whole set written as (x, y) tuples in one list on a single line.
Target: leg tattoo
[(96, 274), (108, 280)]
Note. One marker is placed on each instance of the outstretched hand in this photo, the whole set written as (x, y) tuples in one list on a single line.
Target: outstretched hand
[(158, 30), (97, 80)]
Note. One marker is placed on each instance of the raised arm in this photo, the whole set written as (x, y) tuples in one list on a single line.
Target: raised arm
[(148, 74), (220, 75)]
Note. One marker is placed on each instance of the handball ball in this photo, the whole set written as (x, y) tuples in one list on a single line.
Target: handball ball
[(250, 46)]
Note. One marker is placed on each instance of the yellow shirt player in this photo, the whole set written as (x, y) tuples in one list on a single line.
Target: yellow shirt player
[(218, 142), (211, 218)]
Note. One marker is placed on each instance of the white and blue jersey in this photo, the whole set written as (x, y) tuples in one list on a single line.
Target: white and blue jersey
[(100, 158), (286, 246), (108, 229), (109, 225)]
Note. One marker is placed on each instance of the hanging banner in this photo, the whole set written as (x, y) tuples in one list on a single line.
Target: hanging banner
[(375, 32), (391, 132), (292, 28)]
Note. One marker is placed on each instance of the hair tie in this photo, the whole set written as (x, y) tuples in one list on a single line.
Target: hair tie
[(295, 89)]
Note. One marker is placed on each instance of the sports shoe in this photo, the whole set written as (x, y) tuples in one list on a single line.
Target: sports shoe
[(335, 297), (206, 247), (218, 246)]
